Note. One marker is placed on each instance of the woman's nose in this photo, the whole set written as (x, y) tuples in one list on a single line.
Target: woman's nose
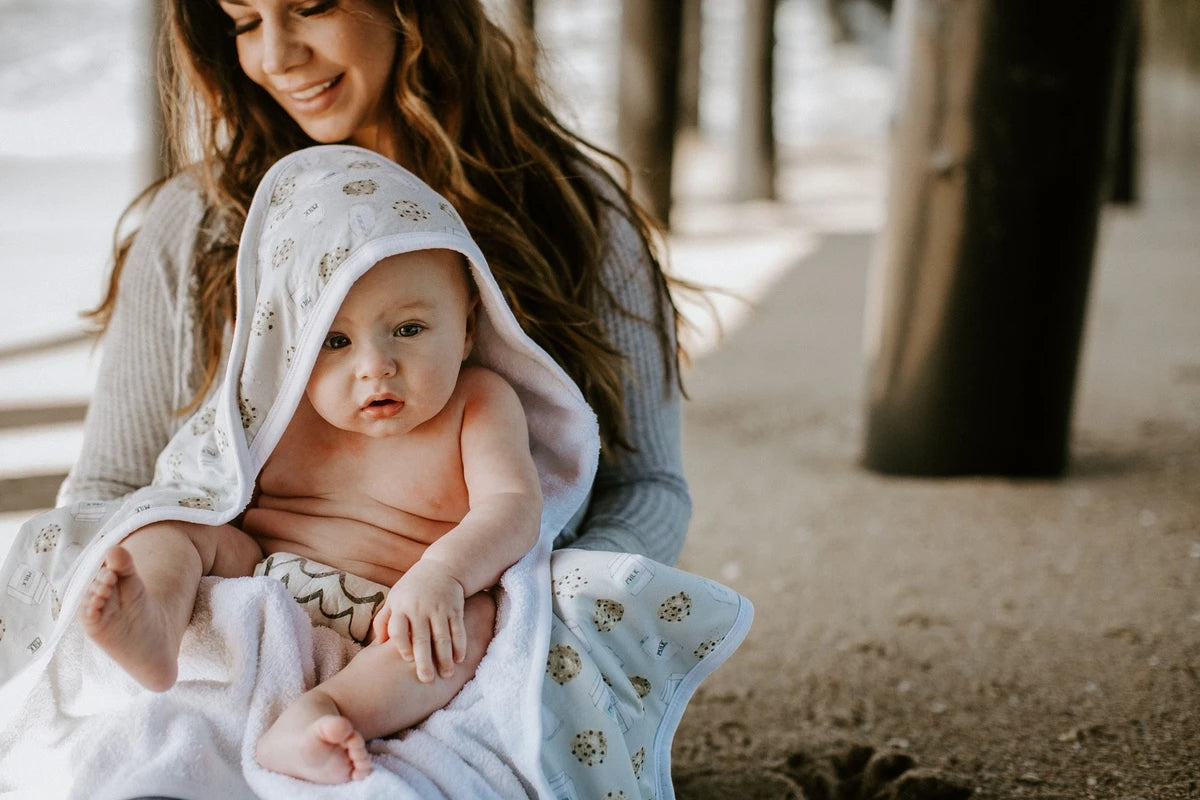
[(282, 49)]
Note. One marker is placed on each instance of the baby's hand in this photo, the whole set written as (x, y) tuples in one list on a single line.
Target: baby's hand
[(423, 616)]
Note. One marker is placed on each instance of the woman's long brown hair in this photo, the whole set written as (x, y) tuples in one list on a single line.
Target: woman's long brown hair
[(470, 117)]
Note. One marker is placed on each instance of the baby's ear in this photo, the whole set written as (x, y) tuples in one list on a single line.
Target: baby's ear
[(473, 313)]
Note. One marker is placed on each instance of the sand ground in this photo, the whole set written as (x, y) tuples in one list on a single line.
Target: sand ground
[(1032, 638)]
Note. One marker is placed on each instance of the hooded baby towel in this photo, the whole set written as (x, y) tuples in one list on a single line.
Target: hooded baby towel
[(583, 684)]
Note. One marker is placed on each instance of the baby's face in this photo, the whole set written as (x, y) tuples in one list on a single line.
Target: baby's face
[(392, 356)]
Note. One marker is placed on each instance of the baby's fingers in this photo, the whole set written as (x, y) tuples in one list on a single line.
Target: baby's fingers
[(400, 632), (422, 653), (379, 625), (458, 633), (446, 644)]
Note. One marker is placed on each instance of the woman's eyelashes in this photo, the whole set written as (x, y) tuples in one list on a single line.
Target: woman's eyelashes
[(248, 24), (318, 8)]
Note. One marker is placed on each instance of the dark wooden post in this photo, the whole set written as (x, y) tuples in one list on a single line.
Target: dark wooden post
[(648, 91), (835, 16), (151, 100), (755, 176), (998, 175), (689, 65), (1126, 140)]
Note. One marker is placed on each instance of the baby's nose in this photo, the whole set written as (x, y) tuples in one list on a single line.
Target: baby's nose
[(376, 362)]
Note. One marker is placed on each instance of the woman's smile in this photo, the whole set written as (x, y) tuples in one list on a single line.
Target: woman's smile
[(311, 92)]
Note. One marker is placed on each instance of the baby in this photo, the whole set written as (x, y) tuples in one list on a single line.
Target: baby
[(394, 432)]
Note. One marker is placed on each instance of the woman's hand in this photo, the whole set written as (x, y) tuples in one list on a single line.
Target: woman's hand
[(423, 616)]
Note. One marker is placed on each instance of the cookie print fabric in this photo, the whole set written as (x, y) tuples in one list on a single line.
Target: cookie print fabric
[(635, 638), (533, 721)]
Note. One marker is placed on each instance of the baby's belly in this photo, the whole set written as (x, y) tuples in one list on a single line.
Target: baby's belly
[(380, 548)]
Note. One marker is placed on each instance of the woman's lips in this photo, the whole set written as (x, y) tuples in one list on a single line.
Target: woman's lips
[(312, 91), (314, 98)]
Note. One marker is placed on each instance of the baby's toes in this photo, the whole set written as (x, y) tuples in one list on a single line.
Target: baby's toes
[(360, 759)]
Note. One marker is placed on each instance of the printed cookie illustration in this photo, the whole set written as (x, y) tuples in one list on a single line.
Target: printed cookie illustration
[(331, 261), (450, 212), (640, 685), (175, 466), (360, 187), (283, 191), (203, 421), (589, 747), (249, 412), (363, 165), (410, 210), (567, 586), (707, 646), (282, 252), (606, 614), (675, 607), (616, 794), (289, 354), (639, 761), (47, 538), (264, 318), (197, 502), (1, 629), (564, 663)]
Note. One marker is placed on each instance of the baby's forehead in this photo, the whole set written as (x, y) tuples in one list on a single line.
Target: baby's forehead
[(455, 263), (439, 256)]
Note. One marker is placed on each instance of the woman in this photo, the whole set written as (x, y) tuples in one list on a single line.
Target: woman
[(443, 91)]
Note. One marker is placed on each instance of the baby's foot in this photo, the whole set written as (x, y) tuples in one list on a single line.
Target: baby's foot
[(118, 615), (326, 750)]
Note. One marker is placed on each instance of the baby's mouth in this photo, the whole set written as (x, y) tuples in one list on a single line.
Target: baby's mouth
[(384, 406)]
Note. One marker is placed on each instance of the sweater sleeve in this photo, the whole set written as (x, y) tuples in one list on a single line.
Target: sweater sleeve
[(640, 501), (141, 381)]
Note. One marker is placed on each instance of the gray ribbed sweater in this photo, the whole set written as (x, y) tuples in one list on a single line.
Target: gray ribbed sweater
[(639, 502)]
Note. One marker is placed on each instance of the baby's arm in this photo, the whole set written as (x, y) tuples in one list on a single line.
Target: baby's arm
[(424, 610)]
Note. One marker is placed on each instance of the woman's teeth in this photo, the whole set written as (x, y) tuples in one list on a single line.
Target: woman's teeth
[(310, 93)]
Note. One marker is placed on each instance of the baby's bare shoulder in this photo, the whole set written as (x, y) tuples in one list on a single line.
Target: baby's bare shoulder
[(476, 381), (486, 394)]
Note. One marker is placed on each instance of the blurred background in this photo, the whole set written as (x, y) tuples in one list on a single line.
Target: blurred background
[(944, 426)]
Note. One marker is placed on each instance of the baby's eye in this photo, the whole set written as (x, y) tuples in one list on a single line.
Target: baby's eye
[(408, 329), (336, 341)]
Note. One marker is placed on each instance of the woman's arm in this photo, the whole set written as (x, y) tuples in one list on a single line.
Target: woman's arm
[(141, 380), (640, 501)]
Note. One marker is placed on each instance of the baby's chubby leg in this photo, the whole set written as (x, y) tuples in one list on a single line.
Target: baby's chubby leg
[(140, 602), (322, 736)]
